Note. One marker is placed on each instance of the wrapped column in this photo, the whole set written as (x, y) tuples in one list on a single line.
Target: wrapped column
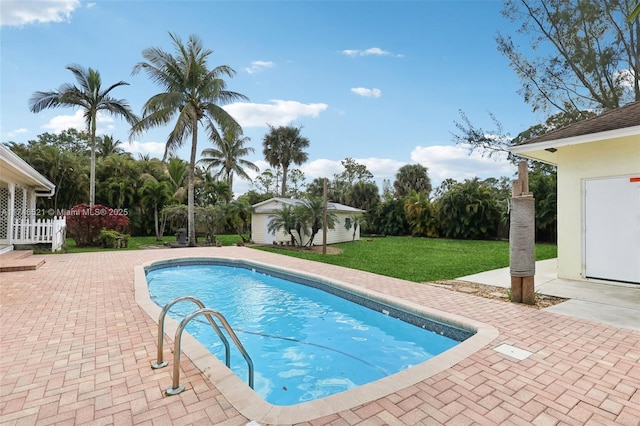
[(522, 260)]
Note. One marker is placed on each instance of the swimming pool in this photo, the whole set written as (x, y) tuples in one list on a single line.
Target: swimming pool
[(307, 339), (235, 389)]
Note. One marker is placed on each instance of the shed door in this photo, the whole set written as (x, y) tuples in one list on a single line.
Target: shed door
[(612, 229), (269, 237)]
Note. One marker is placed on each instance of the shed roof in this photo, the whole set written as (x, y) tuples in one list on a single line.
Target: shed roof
[(292, 201)]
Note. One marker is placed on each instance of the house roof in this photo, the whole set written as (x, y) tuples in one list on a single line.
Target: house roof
[(15, 169), (295, 202), (612, 120)]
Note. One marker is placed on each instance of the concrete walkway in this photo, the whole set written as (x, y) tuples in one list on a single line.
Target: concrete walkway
[(616, 304)]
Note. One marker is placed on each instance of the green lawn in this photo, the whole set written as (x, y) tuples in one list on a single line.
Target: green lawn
[(412, 259), (419, 259)]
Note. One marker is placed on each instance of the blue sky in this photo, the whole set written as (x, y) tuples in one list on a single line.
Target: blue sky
[(378, 81)]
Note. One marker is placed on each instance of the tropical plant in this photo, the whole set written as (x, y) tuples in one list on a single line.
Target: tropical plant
[(543, 184), (121, 191), (412, 177), (284, 146), (311, 214), (467, 210), (285, 220), (209, 190), (177, 171), (363, 195), (227, 157), (388, 218), (238, 216), (90, 97), (194, 95), (421, 215), (155, 194), (106, 145)]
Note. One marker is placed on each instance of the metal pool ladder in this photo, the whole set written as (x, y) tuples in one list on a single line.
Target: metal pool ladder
[(176, 388)]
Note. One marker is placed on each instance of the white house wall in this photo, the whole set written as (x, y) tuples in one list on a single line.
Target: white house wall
[(611, 158)]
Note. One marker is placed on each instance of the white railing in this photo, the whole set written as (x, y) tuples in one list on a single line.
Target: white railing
[(36, 231)]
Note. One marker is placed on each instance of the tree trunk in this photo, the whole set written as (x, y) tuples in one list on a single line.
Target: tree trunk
[(155, 219), (92, 176), (191, 223), (284, 180)]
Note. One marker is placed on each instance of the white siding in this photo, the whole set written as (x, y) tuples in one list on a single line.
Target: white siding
[(258, 228)]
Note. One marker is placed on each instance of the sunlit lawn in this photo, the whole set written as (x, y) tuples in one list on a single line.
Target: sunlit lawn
[(412, 259), (419, 259)]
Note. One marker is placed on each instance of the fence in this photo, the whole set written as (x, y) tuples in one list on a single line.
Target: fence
[(48, 231)]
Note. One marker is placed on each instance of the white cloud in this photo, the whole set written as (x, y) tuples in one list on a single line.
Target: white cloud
[(21, 12), (375, 51), (258, 66), (16, 132), (367, 93), (156, 148), (366, 52), (63, 122), (277, 113), (455, 162)]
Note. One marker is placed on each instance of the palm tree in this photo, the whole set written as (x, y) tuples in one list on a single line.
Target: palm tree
[(155, 193), (311, 215), (287, 220), (106, 145), (176, 171), (92, 99), (284, 146), (194, 94), (227, 156)]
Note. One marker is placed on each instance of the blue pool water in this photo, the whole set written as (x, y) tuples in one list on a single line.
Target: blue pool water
[(305, 343)]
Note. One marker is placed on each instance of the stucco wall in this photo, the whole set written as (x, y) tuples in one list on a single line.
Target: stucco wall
[(611, 158)]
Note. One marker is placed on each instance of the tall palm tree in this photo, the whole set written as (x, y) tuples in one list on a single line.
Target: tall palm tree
[(193, 94), (227, 156), (89, 96), (284, 146)]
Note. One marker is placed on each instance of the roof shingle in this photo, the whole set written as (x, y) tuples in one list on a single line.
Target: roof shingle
[(619, 118)]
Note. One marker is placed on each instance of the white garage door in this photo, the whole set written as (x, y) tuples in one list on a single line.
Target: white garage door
[(612, 229)]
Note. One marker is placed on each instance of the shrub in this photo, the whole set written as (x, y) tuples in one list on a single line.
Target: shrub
[(113, 239), (84, 223)]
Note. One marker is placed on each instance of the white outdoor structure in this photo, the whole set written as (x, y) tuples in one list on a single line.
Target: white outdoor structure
[(598, 194), (263, 213), (20, 185)]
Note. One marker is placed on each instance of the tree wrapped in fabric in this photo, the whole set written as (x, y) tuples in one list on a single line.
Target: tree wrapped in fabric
[(85, 222)]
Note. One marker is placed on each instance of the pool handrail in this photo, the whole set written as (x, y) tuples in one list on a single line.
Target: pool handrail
[(175, 387), (160, 363)]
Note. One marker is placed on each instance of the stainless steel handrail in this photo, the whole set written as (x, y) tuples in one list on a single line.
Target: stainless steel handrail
[(160, 361), (176, 388)]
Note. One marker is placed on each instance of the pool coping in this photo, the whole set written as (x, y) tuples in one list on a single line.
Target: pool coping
[(252, 406)]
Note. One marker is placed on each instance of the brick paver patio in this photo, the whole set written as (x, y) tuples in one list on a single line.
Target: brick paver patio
[(76, 349)]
